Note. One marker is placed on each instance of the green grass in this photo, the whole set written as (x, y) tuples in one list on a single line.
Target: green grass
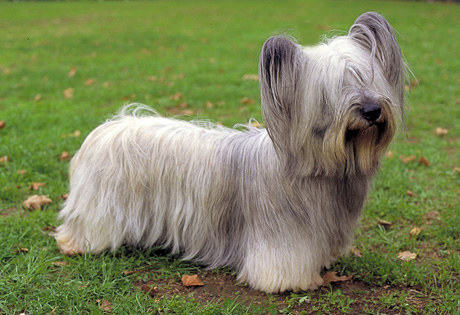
[(114, 53)]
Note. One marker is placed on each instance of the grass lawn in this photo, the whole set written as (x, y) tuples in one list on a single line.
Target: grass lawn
[(66, 67)]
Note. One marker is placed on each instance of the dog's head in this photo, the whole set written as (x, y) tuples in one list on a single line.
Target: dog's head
[(333, 109)]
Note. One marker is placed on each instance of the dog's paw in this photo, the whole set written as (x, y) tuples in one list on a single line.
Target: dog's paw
[(67, 246), (316, 282)]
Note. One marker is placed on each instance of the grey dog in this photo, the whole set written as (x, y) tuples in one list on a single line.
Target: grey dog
[(276, 204)]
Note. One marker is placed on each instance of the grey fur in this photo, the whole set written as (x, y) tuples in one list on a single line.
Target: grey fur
[(276, 204)]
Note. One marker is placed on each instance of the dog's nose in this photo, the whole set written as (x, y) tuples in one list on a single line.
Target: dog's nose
[(371, 112)]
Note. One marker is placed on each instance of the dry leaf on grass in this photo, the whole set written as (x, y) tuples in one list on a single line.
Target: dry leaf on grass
[(35, 202), (4, 159), (68, 93), (407, 256), (441, 131), (247, 101), (59, 263), (384, 223), (355, 251), (457, 170), (191, 281), (407, 159), (72, 72), (65, 156), (415, 231), (105, 305), (331, 276), (36, 186), (424, 161), (251, 77), (2, 124)]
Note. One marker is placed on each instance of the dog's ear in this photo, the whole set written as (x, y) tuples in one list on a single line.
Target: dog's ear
[(374, 33), (280, 67)]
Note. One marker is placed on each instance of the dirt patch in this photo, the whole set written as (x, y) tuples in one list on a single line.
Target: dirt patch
[(350, 297)]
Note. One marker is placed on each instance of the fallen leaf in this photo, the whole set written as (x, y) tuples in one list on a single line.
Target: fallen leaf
[(209, 104), (105, 305), (22, 172), (72, 72), (176, 96), (2, 124), (384, 223), (89, 82), (36, 186), (65, 156), (4, 159), (191, 281), (37, 97), (407, 256), (410, 193), (22, 249), (407, 159), (457, 170), (247, 101), (68, 93), (390, 154), (424, 161), (36, 202), (415, 231), (357, 252), (59, 263), (331, 276), (65, 196), (439, 131), (251, 77)]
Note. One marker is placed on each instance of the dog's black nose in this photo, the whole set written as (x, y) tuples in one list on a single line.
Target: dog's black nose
[(371, 112)]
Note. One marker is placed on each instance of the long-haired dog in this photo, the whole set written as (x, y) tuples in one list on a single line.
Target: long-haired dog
[(276, 204)]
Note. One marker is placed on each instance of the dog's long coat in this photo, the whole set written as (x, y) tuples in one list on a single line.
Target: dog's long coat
[(277, 204)]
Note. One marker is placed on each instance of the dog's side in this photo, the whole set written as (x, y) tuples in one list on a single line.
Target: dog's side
[(276, 204)]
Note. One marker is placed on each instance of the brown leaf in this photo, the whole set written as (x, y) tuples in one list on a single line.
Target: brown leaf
[(65, 156), (439, 131), (4, 159), (331, 276), (357, 252), (390, 154), (247, 101), (65, 196), (415, 231), (457, 170), (191, 281), (59, 263), (176, 96), (37, 97), (35, 202), (89, 82), (22, 172), (410, 193), (105, 305), (407, 159), (36, 186), (251, 77), (424, 161), (384, 223), (68, 93), (2, 124), (72, 72), (407, 256)]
